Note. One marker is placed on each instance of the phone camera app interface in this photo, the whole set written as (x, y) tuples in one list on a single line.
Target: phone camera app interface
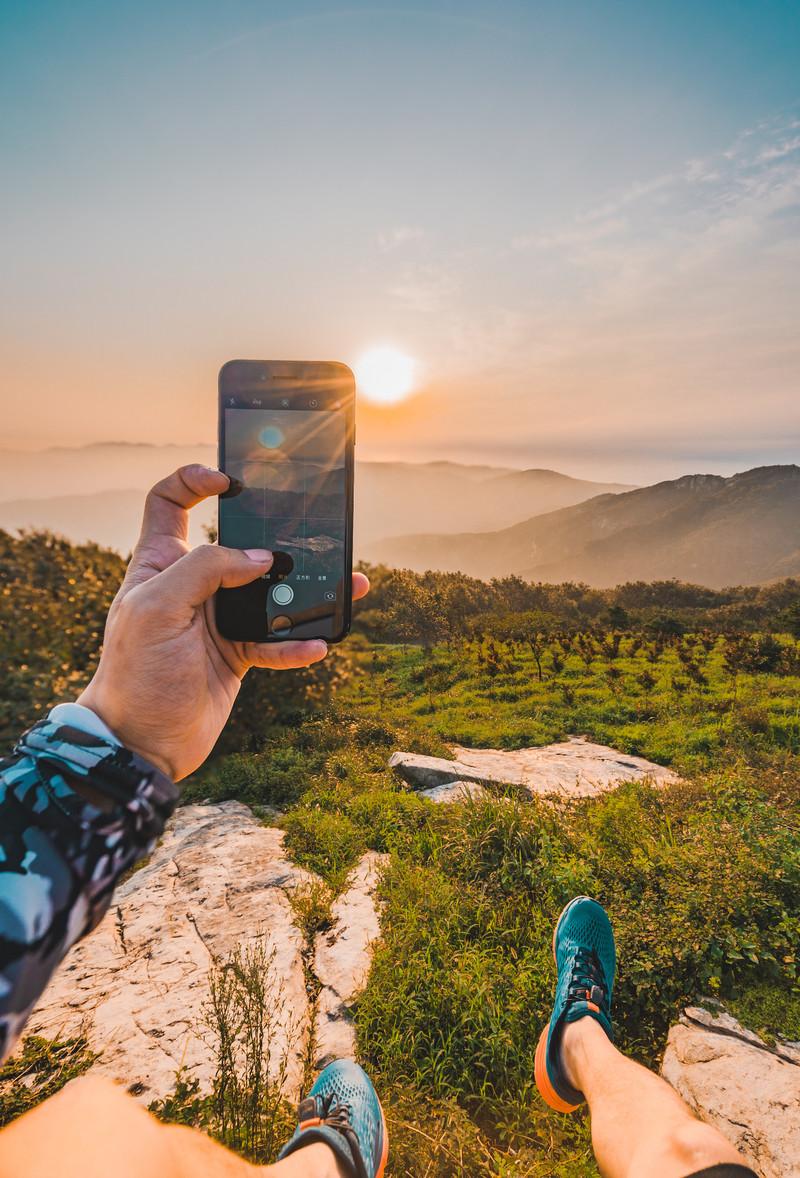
[(292, 467)]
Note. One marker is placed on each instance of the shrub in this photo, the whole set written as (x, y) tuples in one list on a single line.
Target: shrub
[(246, 1015)]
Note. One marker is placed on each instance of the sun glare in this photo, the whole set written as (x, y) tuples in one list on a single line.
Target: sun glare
[(384, 376)]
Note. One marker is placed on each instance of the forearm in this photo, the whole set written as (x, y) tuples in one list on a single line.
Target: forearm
[(76, 811)]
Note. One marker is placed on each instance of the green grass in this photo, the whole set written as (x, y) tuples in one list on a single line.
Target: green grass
[(769, 1010), (702, 879), (488, 693)]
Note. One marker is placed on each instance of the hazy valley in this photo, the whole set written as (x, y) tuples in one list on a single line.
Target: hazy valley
[(481, 520), (95, 493)]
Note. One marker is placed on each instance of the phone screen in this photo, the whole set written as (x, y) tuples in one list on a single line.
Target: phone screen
[(292, 464)]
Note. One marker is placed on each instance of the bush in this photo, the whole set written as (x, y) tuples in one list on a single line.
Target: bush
[(245, 1016)]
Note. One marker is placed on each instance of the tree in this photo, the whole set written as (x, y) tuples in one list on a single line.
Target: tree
[(666, 625), (618, 618), (790, 618), (54, 597)]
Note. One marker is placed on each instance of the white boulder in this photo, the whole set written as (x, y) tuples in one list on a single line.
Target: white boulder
[(574, 768)]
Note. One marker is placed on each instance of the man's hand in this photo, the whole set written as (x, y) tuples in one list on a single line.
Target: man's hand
[(167, 679)]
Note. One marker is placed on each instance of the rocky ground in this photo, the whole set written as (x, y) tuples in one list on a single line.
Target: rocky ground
[(734, 1080), (220, 879)]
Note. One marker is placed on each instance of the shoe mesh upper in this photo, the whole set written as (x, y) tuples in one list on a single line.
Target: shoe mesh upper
[(585, 925), (351, 1085)]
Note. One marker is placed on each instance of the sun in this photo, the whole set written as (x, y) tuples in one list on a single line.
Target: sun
[(385, 376)]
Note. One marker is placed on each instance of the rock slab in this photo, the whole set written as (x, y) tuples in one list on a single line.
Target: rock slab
[(455, 791), (138, 984), (749, 1091), (574, 768)]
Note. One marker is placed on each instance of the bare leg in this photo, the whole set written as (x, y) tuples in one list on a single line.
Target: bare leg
[(92, 1129), (640, 1127)]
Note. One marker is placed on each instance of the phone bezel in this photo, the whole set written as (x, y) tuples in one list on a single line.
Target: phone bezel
[(241, 378)]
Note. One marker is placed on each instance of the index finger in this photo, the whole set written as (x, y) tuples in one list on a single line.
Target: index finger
[(166, 509), (165, 526)]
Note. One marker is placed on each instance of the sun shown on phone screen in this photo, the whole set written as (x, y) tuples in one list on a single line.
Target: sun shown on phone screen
[(384, 376)]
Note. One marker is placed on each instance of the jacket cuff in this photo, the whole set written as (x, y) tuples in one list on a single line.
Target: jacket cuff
[(139, 796)]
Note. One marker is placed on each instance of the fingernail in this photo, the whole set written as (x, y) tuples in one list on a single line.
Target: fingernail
[(320, 648), (235, 487), (259, 555)]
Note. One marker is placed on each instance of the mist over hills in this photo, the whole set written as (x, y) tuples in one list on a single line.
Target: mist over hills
[(486, 521), (702, 528), (96, 493), (473, 498)]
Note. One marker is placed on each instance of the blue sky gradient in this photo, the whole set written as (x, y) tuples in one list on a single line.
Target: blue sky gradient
[(580, 218)]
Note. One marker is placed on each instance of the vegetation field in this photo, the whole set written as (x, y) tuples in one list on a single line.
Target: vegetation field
[(702, 878)]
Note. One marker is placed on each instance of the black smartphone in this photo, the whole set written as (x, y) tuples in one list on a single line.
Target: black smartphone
[(287, 438)]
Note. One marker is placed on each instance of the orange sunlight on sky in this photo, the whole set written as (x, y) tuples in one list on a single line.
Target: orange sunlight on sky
[(584, 234)]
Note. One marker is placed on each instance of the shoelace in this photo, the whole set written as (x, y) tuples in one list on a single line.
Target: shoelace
[(337, 1116), (587, 981)]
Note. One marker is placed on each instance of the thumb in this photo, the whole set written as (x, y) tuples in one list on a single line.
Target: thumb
[(198, 575)]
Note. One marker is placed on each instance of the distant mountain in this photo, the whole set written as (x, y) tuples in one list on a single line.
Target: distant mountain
[(82, 470), (703, 528), (109, 518), (96, 492), (450, 497)]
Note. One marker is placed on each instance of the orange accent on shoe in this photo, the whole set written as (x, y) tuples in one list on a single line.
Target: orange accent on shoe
[(546, 1089), (385, 1151), (310, 1123), (594, 1007)]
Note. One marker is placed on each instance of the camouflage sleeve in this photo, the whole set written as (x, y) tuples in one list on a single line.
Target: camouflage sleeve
[(76, 811)]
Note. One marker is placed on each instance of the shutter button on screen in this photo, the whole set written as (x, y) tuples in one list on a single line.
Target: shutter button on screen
[(282, 593)]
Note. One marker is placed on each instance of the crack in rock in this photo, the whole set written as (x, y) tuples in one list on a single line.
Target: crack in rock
[(217, 880), (342, 957)]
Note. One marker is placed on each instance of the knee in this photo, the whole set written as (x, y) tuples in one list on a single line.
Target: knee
[(695, 1146), (98, 1102), (91, 1092)]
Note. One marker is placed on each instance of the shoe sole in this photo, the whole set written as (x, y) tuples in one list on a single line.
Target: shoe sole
[(540, 1074)]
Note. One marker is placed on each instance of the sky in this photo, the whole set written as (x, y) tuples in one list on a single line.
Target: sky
[(581, 218)]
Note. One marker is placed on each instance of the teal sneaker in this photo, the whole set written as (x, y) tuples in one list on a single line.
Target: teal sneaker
[(586, 960), (342, 1110)]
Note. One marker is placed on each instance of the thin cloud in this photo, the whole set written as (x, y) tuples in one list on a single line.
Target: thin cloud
[(781, 149), (392, 239), (579, 235), (424, 289)]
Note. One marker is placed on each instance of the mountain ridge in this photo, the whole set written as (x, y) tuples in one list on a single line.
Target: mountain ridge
[(699, 527), (41, 488)]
